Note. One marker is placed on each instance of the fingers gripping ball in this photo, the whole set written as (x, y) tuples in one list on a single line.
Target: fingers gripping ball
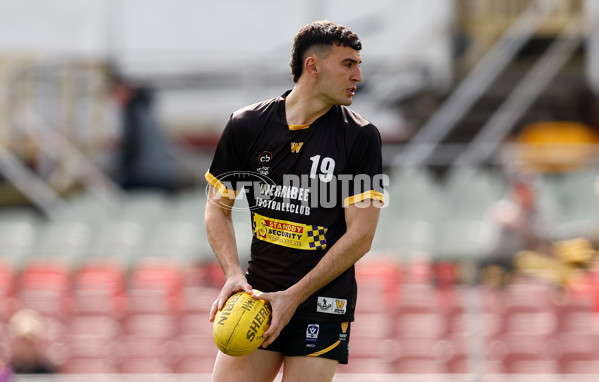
[(239, 326)]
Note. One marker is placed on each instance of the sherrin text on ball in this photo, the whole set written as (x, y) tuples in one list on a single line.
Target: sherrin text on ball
[(239, 326)]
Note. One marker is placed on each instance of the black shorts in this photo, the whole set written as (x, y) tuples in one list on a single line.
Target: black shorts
[(314, 339)]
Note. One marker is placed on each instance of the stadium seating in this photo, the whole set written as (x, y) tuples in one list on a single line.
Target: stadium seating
[(100, 289), (578, 335), (195, 345), (93, 344), (129, 291), (8, 293), (372, 343), (45, 288), (529, 328), (418, 326), (576, 204)]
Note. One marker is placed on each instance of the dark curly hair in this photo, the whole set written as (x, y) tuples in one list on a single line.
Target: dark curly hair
[(319, 33)]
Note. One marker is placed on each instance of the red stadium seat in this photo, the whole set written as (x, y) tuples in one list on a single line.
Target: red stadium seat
[(213, 273), (46, 288), (91, 346), (146, 355), (100, 289), (198, 299), (8, 293), (418, 331), (378, 285), (196, 352), (89, 366), (526, 340), (155, 288), (372, 331), (578, 353), (195, 324), (365, 366), (372, 337), (150, 325), (529, 354), (145, 365), (417, 297), (578, 334), (195, 365)]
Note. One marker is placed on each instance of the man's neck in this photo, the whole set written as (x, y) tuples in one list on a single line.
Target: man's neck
[(303, 108)]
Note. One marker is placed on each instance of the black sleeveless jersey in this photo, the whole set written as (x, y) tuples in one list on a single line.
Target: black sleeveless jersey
[(297, 180)]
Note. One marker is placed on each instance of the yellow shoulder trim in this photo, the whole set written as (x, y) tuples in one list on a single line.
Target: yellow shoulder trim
[(370, 194), (214, 182)]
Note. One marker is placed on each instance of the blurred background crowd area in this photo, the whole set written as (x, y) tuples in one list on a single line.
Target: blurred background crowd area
[(485, 258)]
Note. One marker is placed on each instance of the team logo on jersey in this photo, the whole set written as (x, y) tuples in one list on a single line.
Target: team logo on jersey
[(331, 305), (296, 147)]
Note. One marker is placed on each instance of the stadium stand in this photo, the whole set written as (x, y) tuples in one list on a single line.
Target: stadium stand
[(124, 296), (124, 282)]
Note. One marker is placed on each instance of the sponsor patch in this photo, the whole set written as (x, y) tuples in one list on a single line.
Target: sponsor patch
[(288, 233), (331, 305), (265, 157), (263, 170)]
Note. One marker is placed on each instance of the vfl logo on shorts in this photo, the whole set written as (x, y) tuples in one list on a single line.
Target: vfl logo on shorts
[(312, 332), (331, 305)]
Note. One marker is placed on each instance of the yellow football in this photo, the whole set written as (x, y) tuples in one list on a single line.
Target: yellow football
[(239, 325)]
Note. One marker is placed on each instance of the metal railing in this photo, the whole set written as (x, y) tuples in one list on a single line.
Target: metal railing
[(474, 85), (493, 133), (53, 119)]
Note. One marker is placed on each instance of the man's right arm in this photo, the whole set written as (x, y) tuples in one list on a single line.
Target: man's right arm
[(221, 236)]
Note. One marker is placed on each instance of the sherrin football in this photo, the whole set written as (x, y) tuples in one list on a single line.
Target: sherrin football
[(239, 325)]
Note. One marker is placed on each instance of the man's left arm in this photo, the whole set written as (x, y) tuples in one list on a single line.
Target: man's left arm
[(361, 220)]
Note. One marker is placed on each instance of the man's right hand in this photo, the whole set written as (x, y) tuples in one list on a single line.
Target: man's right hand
[(232, 285)]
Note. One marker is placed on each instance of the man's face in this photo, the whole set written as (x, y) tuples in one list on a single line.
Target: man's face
[(339, 75)]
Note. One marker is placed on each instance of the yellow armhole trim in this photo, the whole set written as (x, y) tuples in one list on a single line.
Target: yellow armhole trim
[(298, 127), (224, 191), (371, 194)]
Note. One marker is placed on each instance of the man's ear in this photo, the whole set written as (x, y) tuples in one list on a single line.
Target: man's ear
[(312, 65)]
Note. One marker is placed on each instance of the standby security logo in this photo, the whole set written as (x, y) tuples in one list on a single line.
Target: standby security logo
[(331, 305)]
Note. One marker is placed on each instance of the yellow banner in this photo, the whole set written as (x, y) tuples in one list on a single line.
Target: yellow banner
[(289, 234)]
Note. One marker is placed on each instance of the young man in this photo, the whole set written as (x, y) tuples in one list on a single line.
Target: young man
[(312, 171)]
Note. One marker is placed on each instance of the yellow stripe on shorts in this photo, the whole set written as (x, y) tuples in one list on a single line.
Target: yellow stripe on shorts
[(325, 350)]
